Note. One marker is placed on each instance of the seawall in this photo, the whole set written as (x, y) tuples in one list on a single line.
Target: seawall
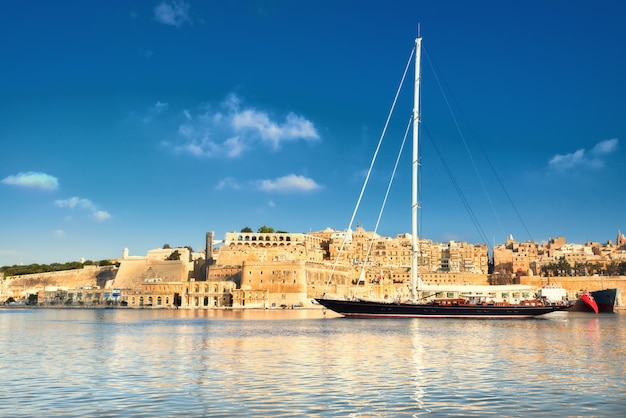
[(19, 287)]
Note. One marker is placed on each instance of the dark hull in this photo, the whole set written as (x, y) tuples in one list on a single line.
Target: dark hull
[(605, 299), (367, 309)]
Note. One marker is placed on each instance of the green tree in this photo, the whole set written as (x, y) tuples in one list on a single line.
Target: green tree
[(246, 229), (612, 269), (563, 268), (595, 268), (265, 230), (166, 246), (580, 269), (551, 269), (175, 255), (32, 300)]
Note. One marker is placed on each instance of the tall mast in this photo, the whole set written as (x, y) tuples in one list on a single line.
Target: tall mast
[(414, 201)]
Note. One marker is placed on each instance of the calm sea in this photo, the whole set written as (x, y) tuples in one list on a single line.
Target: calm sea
[(295, 363)]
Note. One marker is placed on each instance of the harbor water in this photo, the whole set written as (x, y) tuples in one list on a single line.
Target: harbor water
[(296, 363)]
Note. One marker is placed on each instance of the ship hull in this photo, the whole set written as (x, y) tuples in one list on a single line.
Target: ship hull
[(367, 309), (605, 299)]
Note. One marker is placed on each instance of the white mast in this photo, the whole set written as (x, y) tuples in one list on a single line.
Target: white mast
[(414, 201)]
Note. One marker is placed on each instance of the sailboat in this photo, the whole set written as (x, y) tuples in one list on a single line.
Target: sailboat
[(423, 307)]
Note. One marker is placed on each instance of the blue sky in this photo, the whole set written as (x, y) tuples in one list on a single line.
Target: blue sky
[(139, 123)]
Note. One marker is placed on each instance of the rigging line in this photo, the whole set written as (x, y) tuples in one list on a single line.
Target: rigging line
[(496, 175), (493, 170), (458, 188), (384, 203), (458, 128), (369, 171)]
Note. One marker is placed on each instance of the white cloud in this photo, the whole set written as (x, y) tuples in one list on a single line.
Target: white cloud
[(289, 183), (59, 233), (605, 147), (175, 13), (155, 111), (259, 123), (229, 183), (233, 147), (565, 161), (83, 204), (75, 202), (584, 158), (101, 215), (33, 179), (230, 130)]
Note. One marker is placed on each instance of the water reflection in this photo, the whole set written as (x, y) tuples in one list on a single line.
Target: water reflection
[(302, 363)]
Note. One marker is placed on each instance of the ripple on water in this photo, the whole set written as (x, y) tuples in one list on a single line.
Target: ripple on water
[(170, 363)]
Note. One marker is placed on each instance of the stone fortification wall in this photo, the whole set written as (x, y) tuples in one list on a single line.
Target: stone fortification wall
[(20, 287), (133, 271), (322, 278), (577, 284), (236, 254), (284, 280)]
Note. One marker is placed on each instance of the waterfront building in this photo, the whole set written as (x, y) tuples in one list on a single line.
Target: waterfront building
[(368, 248), (270, 270), (188, 294)]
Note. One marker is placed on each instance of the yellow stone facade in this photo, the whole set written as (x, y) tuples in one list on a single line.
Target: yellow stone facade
[(527, 258), (260, 270)]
